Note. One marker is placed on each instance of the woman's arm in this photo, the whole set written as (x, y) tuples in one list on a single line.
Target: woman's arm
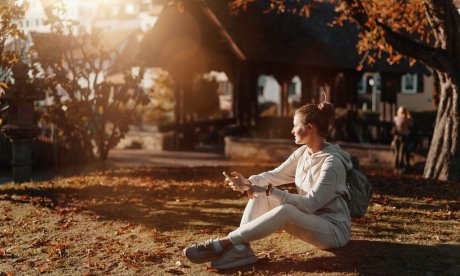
[(283, 174), (324, 190)]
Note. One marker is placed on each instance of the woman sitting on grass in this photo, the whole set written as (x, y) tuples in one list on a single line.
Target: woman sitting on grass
[(318, 214)]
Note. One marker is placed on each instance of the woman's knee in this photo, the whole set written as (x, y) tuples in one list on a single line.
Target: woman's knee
[(285, 210)]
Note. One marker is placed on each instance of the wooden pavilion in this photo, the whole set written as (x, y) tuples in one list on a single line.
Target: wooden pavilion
[(206, 35)]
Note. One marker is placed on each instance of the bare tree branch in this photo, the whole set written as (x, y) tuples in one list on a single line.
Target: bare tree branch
[(440, 19), (433, 57), (455, 15)]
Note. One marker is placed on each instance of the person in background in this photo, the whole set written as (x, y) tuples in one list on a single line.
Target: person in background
[(317, 214), (402, 127)]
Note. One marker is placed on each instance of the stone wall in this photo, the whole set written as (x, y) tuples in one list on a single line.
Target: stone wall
[(277, 150)]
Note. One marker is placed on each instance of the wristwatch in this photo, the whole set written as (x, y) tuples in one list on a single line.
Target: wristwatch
[(269, 190)]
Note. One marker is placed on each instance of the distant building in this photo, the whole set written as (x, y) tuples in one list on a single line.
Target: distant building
[(35, 18), (92, 15), (414, 91), (126, 14), (121, 23)]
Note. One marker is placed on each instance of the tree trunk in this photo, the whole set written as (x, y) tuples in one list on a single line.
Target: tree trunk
[(103, 143), (104, 154), (443, 161)]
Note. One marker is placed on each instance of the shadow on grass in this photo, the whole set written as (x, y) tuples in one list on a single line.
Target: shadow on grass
[(166, 208), (369, 258), (167, 199), (417, 187), (198, 173)]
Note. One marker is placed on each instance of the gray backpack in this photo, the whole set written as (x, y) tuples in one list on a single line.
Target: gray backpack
[(360, 190)]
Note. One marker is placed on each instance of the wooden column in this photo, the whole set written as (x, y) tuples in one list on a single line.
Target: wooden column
[(252, 91), (231, 74), (339, 90), (284, 98), (307, 85), (352, 78), (177, 88), (183, 138), (246, 91), (284, 79), (390, 84)]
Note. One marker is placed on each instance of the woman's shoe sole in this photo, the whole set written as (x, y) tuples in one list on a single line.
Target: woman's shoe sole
[(238, 263)]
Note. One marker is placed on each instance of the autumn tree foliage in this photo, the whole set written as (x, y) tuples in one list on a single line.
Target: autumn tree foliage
[(161, 106), (11, 39), (91, 112), (427, 31)]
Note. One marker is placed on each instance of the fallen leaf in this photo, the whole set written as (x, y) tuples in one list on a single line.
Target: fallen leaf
[(206, 231), (327, 266), (129, 225), (59, 249), (175, 271), (135, 200), (39, 242)]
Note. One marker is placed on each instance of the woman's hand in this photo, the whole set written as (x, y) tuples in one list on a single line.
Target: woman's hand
[(238, 182)]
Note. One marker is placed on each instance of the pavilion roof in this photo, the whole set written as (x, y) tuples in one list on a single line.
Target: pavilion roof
[(261, 37)]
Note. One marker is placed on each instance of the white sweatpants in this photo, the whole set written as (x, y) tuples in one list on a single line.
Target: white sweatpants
[(265, 215)]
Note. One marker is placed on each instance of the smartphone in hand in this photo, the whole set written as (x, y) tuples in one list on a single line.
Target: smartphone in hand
[(230, 179)]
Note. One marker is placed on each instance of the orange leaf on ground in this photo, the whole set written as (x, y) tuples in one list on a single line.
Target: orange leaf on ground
[(327, 266), (135, 200), (127, 226)]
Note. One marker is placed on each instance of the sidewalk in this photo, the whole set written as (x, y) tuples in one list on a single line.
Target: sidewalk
[(212, 157), (119, 158), (132, 158)]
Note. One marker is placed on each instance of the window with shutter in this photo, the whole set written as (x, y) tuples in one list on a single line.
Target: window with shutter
[(409, 83)]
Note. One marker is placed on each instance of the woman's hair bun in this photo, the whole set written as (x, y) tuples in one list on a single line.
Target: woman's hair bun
[(327, 111), (324, 104)]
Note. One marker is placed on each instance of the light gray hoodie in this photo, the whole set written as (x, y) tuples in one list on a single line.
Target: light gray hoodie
[(320, 181)]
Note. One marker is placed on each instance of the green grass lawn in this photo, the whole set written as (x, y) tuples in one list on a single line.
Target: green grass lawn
[(136, 222)]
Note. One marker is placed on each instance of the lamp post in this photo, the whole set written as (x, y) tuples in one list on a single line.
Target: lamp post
[(21, 126)]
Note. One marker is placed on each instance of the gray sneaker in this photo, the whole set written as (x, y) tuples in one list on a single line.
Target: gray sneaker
[(235, 256), (202, 252)]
